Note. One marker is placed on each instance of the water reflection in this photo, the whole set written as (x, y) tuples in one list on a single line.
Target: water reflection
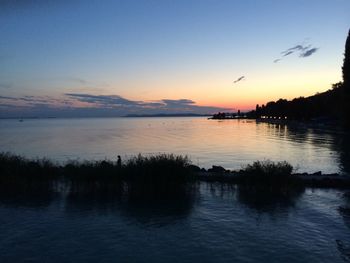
[(26, 196), (262, 199), (218, 223), (343, 246), (157, 213), (148, 211), (160, 208), (39, 200), (342, 146), (344, 250), (344, 209), (334, 140), (269, 200)]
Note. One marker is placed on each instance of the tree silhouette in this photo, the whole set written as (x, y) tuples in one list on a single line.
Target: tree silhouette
[(346, 82), (346, 65)]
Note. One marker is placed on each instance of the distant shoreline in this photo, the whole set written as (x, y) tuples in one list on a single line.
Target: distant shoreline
[(165, 115), (108, 117)]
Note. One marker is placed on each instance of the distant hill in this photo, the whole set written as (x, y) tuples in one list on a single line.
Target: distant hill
[(168, 115)]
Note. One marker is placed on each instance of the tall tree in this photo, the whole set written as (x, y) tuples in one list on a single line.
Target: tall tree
[(346, 65), (346, 83)]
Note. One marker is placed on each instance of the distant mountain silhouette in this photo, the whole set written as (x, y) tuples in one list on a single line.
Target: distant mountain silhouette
[(168, 115)]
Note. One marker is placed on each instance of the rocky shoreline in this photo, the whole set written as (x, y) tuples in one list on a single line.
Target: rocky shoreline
[(317, 179)]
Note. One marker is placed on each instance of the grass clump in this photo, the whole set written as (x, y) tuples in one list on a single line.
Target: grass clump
[(160, 176), (267, 173), (160, 168), (265, 184)]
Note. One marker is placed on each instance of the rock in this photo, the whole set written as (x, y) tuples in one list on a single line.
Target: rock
[(333, 175)]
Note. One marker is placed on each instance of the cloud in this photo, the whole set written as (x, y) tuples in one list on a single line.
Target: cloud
[(112, 100), (288, 53), (308, 53), (32, 101), (91, 105), (239, 79), (302, 50), (292, 49), (182, 102), (8, 98), (118, 101)]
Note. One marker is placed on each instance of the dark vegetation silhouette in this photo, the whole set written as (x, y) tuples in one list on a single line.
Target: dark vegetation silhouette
[(267, 185), (161, 175), (323, 106), (228, 115), (162, 182), (264, 186), (168, 184), (346, 63), (147, 177), (346, 80)]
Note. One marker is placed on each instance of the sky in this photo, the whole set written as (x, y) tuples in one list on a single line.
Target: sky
[(113, 58)]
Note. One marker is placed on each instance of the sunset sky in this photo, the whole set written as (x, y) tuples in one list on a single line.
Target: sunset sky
[(96, 58)]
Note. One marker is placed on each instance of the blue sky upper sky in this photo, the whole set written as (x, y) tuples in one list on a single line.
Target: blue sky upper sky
[(56, 54)]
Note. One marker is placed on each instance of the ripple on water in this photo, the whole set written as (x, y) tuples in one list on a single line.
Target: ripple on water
[(216, 226)]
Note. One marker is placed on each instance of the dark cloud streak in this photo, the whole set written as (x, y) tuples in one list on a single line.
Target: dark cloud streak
[(239, 79), (303, 51), (113, 100), (288, 53), (308, 53)]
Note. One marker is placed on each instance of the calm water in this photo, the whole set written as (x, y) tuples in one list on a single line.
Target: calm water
[(230, 143), (216, 225)]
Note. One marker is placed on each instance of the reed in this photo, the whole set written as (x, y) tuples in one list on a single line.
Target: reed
[(267, 173), (154, 175), (159, 176)]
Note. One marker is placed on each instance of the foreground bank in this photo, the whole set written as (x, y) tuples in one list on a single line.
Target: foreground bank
[(154, 175)]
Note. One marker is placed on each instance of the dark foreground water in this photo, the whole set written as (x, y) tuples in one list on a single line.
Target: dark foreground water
[(216, 224)]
